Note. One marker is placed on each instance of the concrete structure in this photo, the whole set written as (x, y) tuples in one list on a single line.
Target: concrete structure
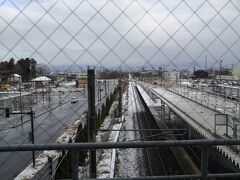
[(63, 77), (173, 75), (199, 117), (236, 72), (227, 78)]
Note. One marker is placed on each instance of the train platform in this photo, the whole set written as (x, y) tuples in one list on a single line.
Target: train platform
[(199, 117)]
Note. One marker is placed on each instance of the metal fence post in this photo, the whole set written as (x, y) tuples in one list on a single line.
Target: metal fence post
[(32, 136), (235, 135), (215, 126), (227, 124), (204, 162), (20, 101), (50, 161), (164, 112), (74, 163), (91, 121), (35, 91)]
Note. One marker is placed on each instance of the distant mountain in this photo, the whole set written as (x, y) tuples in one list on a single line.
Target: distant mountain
[(124, 68), (72, 68), (83, 68)]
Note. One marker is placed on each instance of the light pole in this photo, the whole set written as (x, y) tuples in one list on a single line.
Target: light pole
[(49, 95), (98, 90), (220, 68), (20, 100), (35, 84), (60, 98), (100, 93), (105, 83)]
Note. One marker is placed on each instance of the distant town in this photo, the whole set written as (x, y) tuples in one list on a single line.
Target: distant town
[(24, 72)]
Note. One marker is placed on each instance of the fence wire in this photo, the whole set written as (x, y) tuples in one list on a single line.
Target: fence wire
[(163, 43)]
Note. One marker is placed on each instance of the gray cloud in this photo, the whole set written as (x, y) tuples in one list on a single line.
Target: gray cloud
[(110, 37)]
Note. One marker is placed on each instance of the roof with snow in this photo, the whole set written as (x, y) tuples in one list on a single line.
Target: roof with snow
[(17, 75), (41, 78)]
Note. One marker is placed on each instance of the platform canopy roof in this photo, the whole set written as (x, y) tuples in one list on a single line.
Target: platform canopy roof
[(41, 79)]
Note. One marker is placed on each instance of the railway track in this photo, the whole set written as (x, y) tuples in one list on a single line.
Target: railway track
[(178, 155), (141, 133), (160, 161)]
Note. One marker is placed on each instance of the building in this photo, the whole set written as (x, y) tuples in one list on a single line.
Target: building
[(5, 76), (8, 79), (236, 71), (81, 81), (227, 78), (16, 79), (41, 81), (172, 75)]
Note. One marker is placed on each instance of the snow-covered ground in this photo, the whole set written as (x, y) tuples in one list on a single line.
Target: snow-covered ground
[(218, 103), (105, 162), (110, 162), (130, 162), (105, 158), (119, 162)]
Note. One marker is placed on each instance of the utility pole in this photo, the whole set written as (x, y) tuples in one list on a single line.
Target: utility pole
[(105, 83), (220, 68), (49, 96), (36, 91), (206, 62), (120, 99), (20, 100), (42, 94), (91, 122), (59, 96), (98, 91)]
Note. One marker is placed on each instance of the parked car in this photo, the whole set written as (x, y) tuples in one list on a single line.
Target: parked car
[(74, 100)]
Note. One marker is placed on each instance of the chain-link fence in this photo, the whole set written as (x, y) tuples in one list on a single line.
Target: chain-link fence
[(183, 54)]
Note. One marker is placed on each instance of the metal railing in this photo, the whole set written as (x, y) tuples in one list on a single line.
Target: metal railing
[(128, 36), (74, 147)]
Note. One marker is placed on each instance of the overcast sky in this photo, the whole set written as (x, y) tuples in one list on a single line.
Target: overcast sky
[(156, 33)]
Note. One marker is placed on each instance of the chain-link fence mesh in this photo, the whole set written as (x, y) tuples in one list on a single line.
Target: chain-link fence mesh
[(181, 50)]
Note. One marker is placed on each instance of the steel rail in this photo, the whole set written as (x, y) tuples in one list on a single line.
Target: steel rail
[(150, 135), (141, 132)]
